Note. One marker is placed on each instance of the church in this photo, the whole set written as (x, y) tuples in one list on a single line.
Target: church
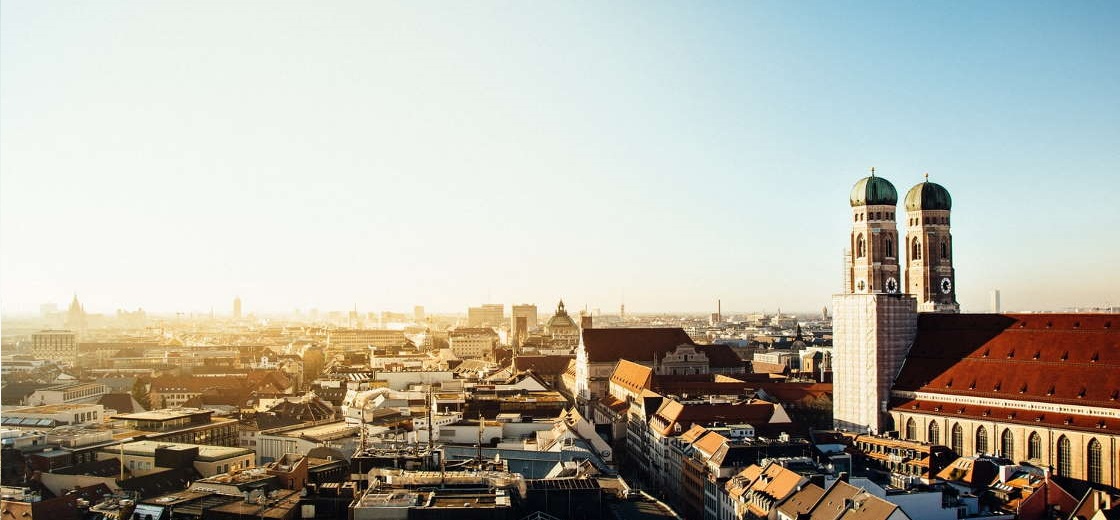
[(1037, 388)]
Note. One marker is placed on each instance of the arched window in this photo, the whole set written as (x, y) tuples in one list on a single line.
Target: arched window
[(916, 250), (911, 429), (1034, 446), (944, 250), (1007, 444), (981, 440), (1093, 461), (890, 247), (958, 439), (1065, 457), (934, 436), (861, 247)]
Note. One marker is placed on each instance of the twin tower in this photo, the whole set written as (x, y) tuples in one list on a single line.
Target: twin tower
[(874, 320), (926, 253)]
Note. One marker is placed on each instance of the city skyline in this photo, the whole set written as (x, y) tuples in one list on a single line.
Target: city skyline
[(380, 156)]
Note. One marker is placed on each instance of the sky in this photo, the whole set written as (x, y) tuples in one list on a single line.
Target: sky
[(172, 155)]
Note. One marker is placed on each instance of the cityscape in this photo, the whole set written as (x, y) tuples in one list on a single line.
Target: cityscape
[(387, 331)]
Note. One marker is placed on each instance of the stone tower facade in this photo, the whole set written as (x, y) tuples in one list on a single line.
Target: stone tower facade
[(874, 239), (928, 250)]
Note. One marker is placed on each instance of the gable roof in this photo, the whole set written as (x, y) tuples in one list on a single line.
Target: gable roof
[(610, 345), (631, 376), (844, 501)]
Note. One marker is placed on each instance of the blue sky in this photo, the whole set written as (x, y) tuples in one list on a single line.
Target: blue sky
[(305, 154)]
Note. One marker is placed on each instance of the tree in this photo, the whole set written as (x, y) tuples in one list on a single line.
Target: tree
[(140, 393)]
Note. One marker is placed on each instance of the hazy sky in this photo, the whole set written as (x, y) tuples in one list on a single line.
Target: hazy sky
[(171, 155)]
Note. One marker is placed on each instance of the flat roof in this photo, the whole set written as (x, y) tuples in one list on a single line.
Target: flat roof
[(51, 408), (148, 449), (163, 414)]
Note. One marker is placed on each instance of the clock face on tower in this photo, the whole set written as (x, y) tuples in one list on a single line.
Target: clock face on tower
[(860, 285), (891, 285), (946, 285)]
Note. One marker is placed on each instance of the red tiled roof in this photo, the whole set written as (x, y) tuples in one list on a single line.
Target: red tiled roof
[(673, 412), (609, 345), (631, 376), (1053, 358)]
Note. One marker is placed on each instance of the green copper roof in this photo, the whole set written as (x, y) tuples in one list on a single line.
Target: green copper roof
[(928, 195), (870, 191)]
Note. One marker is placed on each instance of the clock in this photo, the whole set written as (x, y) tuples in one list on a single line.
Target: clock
[(946, 285), (860, 285), (891, 286)]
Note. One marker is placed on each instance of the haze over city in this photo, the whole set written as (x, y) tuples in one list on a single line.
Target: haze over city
[(170, 156)]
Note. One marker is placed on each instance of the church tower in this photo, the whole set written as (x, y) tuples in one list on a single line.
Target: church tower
[(929, 249), (873, 321), (874, 239)]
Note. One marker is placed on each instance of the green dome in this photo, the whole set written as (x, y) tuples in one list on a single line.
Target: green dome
[(928, 195), (871, 191)]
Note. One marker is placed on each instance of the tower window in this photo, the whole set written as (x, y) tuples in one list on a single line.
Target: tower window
[(861, 247), (890, 247), (916, 250), (944, 250)]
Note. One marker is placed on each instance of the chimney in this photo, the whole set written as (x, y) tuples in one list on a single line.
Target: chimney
[(843, 477), (585, 322)]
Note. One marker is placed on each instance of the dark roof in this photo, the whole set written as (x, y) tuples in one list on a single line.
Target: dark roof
[(1051, 358), (722, 356), (96, 468), (928, 195), (610, 345), (14, 393), (547, 365), (122, 403), (162, 482)]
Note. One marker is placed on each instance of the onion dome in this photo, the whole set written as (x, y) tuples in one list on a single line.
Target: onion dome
[(872, 191), (928, 195)]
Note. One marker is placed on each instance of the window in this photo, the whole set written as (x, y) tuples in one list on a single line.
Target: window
[(911, 429), (934, 433), (981, 440), (890, 247), (861, 247), (958, 439), (944, 250), (916, 250), (1093, 461), (1007, 444), (1034, 446), (1065, 462)]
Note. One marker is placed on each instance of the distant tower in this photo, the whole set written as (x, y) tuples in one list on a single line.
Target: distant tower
[(418, 314), (237, 307), (929, 249), (76, 316), (993, 305), (873, 322)]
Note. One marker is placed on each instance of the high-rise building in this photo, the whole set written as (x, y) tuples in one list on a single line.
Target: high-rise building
[(929, 248), (237, 308), (55, 345), (418, 314), (873, 321), (487, 315), (993, 304), (527, 311)]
